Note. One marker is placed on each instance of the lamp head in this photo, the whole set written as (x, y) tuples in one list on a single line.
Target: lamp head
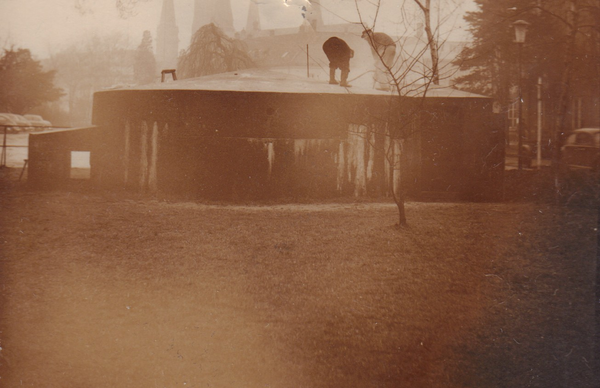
[(520, 30)]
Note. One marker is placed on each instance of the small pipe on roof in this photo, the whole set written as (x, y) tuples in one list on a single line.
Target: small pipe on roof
[(307, 63), (168, 71)]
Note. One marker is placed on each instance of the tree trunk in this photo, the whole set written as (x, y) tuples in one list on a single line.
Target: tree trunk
[(399, 199), (431, 41), (396, 181)]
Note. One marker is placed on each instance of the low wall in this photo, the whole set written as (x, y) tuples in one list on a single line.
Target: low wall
[(49, 154)]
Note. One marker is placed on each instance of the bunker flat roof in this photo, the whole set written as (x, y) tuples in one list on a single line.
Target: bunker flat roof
[(254, 80)]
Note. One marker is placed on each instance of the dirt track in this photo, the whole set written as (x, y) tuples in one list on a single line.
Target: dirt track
[(106, 291)]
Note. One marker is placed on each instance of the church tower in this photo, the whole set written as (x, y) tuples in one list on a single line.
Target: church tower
[(167, 38), (213, 11), (253, 22)]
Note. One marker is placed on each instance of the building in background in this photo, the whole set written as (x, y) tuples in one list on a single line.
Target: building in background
[(298, 49)]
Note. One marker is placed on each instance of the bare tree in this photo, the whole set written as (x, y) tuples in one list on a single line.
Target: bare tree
[(126, 8), (410, 80), (92, 64), (431, 40), (212, 52)]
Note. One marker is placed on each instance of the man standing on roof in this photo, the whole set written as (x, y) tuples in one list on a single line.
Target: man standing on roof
[(383, 48), (339, 53)]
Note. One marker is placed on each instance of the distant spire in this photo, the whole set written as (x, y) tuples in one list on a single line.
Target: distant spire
[(253, 23), (167, 37), (167, 16), (213, 11)]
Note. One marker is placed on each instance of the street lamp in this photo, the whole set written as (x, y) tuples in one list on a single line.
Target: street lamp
[(520, 27)]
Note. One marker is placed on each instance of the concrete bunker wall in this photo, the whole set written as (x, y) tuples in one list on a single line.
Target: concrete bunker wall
[(236, 145), (49, 154)]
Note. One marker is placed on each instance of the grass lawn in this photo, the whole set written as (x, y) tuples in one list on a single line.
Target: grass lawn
[(107, 290)]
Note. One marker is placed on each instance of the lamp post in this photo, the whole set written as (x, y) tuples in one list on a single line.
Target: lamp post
[(520, 27)]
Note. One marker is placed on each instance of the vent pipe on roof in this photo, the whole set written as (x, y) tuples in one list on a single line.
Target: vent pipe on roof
[(168, 71)]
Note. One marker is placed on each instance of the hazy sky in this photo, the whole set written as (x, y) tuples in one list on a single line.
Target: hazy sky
[(46, 26)]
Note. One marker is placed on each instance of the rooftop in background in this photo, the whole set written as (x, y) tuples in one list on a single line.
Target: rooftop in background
[(254, 80)]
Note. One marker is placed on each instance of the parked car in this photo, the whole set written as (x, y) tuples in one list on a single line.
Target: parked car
[(581, 150), (37, 121)]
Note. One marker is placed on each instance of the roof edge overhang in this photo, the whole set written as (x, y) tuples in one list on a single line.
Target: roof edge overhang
[(262, 81)]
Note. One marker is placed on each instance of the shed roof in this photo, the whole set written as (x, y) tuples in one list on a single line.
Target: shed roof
[(254, 80)]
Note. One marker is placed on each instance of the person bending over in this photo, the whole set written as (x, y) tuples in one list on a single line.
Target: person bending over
[(383, 48), (339, 53)]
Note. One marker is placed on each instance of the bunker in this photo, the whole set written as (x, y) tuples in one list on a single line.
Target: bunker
[(263, 135)]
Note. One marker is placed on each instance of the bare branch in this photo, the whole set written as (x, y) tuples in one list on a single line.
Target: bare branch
[(421, 5)]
